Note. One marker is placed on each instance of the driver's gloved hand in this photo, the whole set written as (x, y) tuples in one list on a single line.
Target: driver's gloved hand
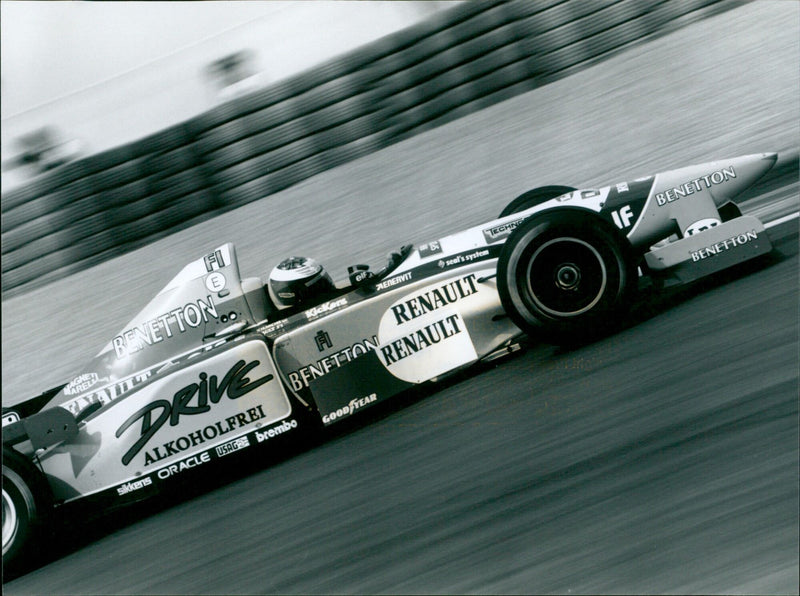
[(359, 274)]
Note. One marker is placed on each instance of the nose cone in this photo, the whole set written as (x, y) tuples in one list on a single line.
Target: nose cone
[(724, 179), (748, 169)]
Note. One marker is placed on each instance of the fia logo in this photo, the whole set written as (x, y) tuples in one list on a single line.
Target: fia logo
[(214, 261), (323, 340)]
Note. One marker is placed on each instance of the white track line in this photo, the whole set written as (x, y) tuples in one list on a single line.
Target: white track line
[(782, 219)]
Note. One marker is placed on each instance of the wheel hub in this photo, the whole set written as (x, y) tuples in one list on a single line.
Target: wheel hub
[(568, 276)]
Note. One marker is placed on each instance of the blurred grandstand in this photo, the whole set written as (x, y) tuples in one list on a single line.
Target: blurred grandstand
[(257, 131)]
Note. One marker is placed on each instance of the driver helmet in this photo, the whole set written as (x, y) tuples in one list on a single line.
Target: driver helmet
[(296, 280)]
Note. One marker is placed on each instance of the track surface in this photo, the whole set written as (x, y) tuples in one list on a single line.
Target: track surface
[(662, 459)]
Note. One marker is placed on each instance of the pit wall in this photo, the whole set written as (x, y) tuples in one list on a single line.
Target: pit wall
[(457, 62)]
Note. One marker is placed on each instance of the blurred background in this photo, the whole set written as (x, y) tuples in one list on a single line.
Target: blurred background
[(123, 122), (137, 136), (102, 74)]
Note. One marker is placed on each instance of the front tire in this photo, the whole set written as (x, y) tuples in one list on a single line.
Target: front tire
[(566, 277), (25, 510)]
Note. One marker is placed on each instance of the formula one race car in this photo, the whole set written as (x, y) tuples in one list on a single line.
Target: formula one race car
[(216, 364)]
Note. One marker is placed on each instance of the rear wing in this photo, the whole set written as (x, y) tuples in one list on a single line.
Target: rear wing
[(28, 407), (44, 429)]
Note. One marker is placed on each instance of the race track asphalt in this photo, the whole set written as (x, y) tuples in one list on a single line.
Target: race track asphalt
[(662, 459)]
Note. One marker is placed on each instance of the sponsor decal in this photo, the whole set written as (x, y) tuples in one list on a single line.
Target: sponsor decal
[(231, 446), (270, 433), (720, 247), (81, 383), (362, 377), (156, 330), (702, 226), (209, 391), (350, 408), (696, 185), (497, 233), (130, 487), (183, 465), (463, 258), (200, 436), (107, 394), (214, 261), (359, 274), (623, 217), (393, 281), (10, 418), (215, 281), (424, 335), (625, 201), (301, 377), (272, 328), (435, 298), (421, 339), (431, 248), (325, 308), (323, 340)]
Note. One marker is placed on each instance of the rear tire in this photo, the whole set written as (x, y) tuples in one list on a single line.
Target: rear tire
[(534, 197), (566, 277), (26, 508)]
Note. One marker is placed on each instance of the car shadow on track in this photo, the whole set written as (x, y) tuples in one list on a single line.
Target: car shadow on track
[(653, 301), (77, 526)]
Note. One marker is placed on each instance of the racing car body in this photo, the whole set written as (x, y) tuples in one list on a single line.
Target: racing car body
[(210, 367)]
